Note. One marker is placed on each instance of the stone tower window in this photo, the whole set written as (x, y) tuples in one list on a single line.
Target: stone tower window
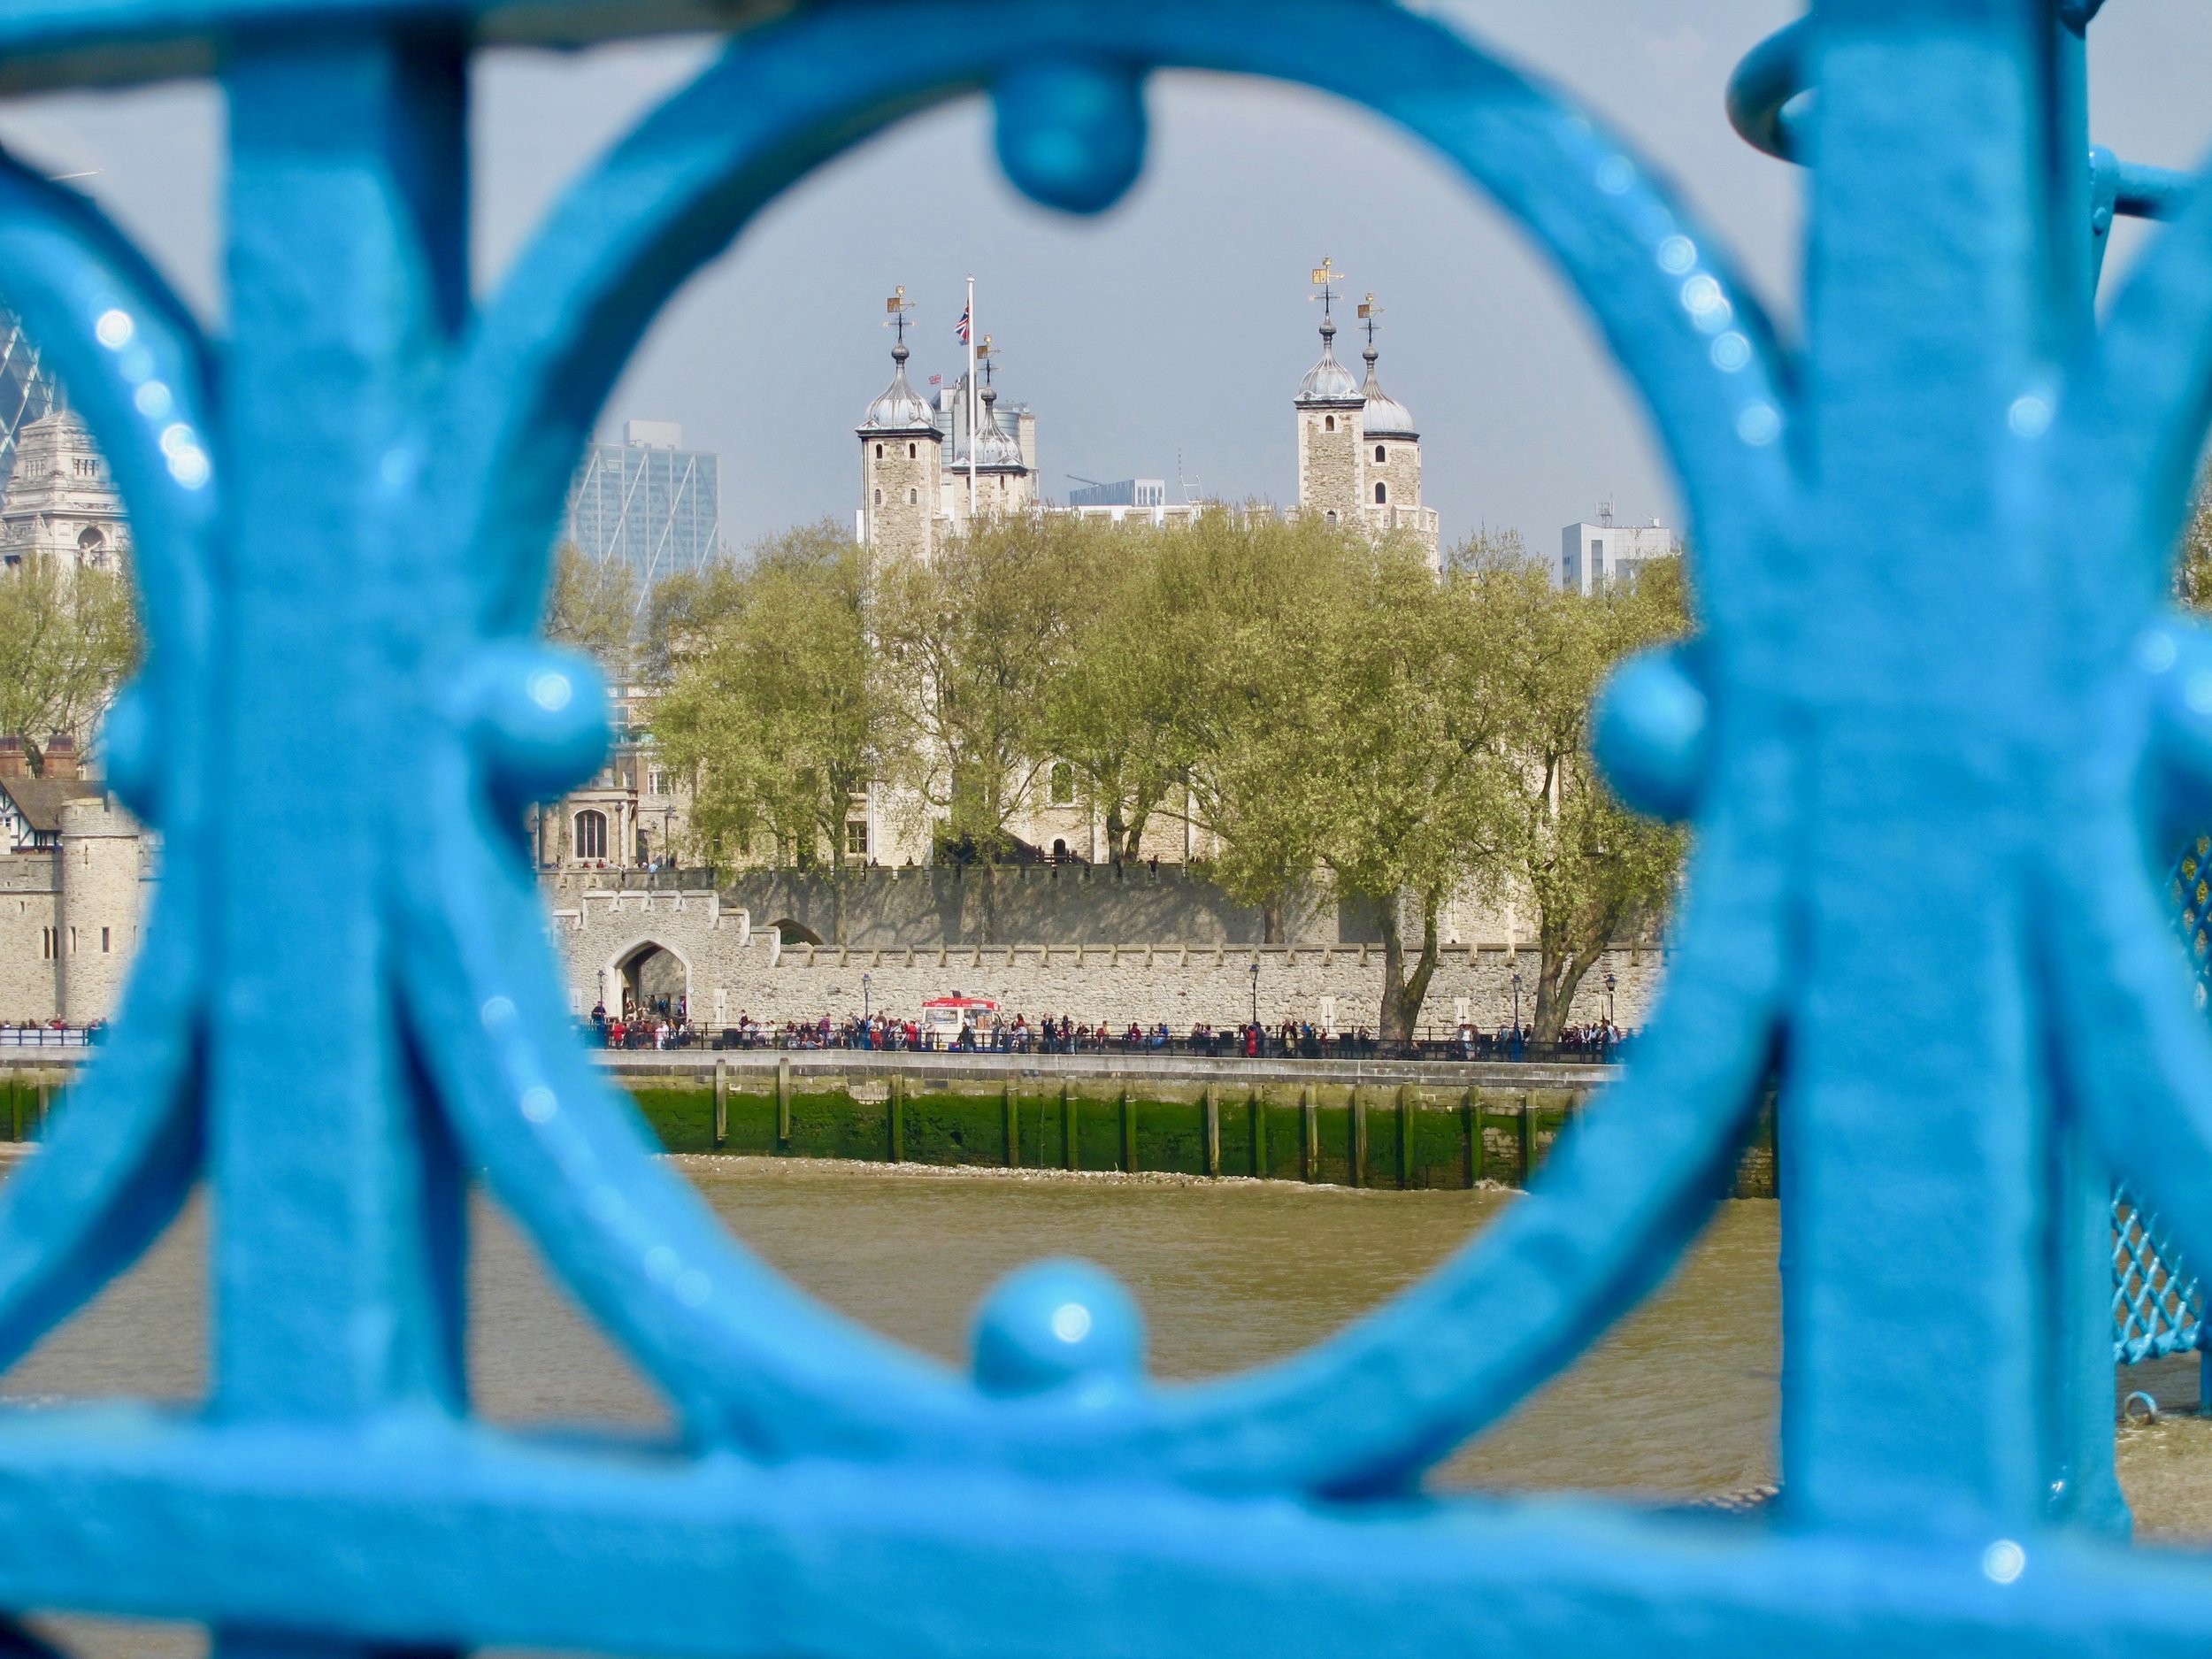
[(879, 452), (1382, 494), (1333, 515), (1381, 454), (879, 498), (913, 451), (913, 497), (1328, 423), (591, 834), (1063, 784)]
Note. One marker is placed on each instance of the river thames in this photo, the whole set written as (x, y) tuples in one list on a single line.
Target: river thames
[(1680, 1403)]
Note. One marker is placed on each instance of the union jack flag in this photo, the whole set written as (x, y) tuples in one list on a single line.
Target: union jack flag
[(961, 327)]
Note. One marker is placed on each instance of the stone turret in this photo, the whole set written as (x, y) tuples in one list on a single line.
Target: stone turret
[(900, 452), (1329, 403), (98, 867)]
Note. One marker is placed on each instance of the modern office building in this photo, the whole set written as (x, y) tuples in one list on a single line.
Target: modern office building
[(1594, 556), (648, 501)]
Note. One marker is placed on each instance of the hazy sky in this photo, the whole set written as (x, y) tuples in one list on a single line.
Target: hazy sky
[(1178, 323)]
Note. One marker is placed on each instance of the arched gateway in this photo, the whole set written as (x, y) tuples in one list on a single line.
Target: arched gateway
[(647, 977)]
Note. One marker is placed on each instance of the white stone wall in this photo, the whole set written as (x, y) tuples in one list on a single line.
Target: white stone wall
[(734, 970)]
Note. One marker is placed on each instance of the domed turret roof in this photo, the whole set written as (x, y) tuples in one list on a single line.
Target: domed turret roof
[(900, 409), (994, 450), (1328, 382), (1386, 415)]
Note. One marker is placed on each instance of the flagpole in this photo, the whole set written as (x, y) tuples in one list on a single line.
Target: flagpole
[(972, 406)]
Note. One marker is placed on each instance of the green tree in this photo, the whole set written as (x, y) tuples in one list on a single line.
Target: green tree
[(593, 606), (1590, 868), (776, 708), (67, 635), (973, 641), (1244, 598), (1114, 710)]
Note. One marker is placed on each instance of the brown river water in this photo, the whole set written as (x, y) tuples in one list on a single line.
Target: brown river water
[(1677, 1402)]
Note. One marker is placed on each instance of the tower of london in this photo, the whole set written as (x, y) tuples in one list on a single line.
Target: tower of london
[(1358, 453)]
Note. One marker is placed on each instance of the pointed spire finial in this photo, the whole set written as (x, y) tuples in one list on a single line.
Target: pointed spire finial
[(1369, 311), (898, 305), (1326, 277)]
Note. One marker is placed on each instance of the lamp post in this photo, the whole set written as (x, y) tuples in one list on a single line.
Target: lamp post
[(1256, 995), (868, 980), (1608, 1013)]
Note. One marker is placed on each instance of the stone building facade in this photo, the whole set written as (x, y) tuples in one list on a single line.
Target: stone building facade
[(74, 884), (61, 506)]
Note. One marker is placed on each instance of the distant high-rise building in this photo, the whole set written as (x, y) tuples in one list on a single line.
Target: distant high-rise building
[(647, 502), (27, 390), (1596, 556)]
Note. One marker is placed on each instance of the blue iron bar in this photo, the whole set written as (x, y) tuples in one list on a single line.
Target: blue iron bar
[(47, 43), (526, 1544), (1771, 100)]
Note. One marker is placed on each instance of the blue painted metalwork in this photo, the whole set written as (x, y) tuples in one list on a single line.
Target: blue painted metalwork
[(1934, 718)]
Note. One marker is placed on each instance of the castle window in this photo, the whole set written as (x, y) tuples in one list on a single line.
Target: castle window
[(105, 945), (1333, 515), (1382, 494), (879, 452), (1328, 423), (879, 498), (913, 451), (591, 834), (1381, 454), (856, 838), (1063, 784), (913, 497), (47, 943)]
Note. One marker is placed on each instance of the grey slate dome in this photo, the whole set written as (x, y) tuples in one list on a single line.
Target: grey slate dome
[(1386, 415), (994, 450), (1328, 382), (899, 409)]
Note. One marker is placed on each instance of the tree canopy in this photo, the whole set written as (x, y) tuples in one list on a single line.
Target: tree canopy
[(1312, 703)]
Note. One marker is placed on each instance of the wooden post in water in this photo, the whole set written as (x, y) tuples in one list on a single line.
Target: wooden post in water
[(1527, 1137), (1470, 1133), (1308, 1135), (721, 1102), (898, 1118), (1013, 1127), (1259, 1134), (15, 1110), (1213, 1130), (42, 1108), (1359, 1137), (1070, 1149), (1405, 1136), (1128, 1133), (783, 1100)]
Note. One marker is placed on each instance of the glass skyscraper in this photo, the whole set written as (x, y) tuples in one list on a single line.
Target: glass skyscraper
[(647, 500)]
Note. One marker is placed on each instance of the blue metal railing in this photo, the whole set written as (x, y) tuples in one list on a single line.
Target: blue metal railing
[(2157, 1300)]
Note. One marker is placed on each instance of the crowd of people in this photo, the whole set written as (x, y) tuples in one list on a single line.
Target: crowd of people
[(669, 1026)]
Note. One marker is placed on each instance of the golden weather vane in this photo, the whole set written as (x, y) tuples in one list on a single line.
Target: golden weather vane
[(1326, 277)]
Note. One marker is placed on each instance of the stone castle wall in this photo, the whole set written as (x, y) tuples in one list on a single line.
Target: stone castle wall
[(733, 969), (942, 906), (30, 914), (900, 528)]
